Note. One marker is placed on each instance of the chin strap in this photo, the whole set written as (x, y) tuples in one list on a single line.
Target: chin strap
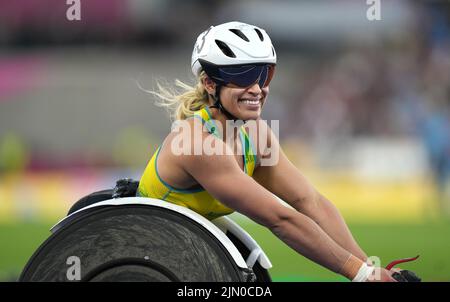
[(218, 105)]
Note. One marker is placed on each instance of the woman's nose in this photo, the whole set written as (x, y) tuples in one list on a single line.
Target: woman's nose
[(254, 89)]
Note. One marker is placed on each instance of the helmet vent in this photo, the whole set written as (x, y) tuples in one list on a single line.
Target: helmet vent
[(225, 49), (240, 34), (260, 35)]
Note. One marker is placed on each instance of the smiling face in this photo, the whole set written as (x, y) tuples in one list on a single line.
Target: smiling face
[(244, 103)]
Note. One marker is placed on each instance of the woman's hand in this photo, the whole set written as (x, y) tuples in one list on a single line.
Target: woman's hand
[(381, 275)]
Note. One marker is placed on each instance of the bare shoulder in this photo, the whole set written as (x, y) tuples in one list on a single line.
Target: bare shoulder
[(174, 153), (196, 148)]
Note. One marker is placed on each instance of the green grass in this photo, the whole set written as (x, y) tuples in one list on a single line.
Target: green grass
[(389, 242), (17, 244), (431, 241)]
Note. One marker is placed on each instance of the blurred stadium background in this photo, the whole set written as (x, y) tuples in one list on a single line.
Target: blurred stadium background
[(363, 108)]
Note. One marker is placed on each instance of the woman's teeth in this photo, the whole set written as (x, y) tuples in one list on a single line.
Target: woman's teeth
[(256, 102)]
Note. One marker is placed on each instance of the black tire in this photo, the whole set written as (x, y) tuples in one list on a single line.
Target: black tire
[(91, 199), (133, 243)]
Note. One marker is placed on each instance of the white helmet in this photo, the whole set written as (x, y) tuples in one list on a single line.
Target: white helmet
[(232, 43)]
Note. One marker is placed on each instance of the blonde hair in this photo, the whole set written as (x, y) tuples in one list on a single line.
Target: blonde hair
[(182, 104)]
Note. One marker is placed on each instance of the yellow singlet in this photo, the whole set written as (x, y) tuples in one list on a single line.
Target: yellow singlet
[(198, 200)]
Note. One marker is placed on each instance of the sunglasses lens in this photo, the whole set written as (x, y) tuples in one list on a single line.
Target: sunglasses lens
[(245, 76), (241, 76), (268, 78)]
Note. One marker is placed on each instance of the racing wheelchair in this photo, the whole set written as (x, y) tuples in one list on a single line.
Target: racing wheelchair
[(117, 236)]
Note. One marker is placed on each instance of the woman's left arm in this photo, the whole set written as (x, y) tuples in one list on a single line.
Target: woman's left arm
[(285, 181)]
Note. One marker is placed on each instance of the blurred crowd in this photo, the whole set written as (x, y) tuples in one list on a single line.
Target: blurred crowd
[(394, 86)]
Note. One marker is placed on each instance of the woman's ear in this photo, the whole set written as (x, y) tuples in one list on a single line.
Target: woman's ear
[(209, 84)]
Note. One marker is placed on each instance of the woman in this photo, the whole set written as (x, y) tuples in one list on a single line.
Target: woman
[(234, 63)]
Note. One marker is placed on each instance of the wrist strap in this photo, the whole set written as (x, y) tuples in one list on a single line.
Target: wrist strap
[(363, 273), (351, 267)]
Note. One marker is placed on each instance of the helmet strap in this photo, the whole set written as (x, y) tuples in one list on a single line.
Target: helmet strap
[(218, 104)]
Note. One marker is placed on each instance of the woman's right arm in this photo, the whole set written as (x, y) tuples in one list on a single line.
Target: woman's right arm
[(221, 176)]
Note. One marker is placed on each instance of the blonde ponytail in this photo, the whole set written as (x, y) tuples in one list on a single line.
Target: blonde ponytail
[(184, 104)]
